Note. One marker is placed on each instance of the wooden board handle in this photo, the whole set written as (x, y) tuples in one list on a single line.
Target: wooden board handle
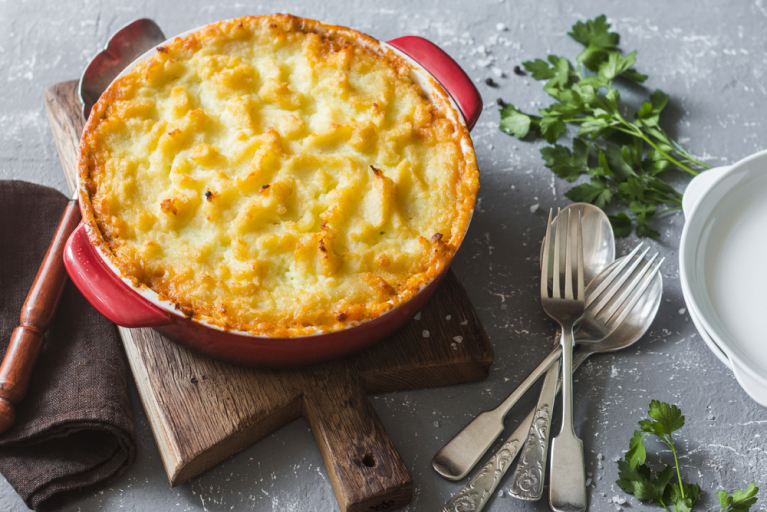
[(364, 467), (36, 316)]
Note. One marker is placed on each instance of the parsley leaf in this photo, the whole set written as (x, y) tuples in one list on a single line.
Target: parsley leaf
[(616, 65), (514, 122), (552, 128), (740, 501), (565, 163), (668, 418), (621, 224), (636, 481), (540, 69), (597, 193), (595, 35), (637, 453), (662, 480), (595, 32), (635, 477), (624, 154)]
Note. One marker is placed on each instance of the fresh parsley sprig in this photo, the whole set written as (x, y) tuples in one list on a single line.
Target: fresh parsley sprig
[(624, 155), (740, 501), (636, 478)]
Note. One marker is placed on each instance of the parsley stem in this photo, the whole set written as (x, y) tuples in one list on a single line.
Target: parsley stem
[(668, 210), (676, 461), (687, 156), (696, 162), (633, 130), (638, 133)]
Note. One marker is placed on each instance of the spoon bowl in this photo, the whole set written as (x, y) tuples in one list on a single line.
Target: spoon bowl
[(122, 48), (635, 324), (598, 240)]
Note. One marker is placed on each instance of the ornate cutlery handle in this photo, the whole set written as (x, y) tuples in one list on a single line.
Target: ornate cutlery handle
[(475, 494), (527, 481), (460, 454)]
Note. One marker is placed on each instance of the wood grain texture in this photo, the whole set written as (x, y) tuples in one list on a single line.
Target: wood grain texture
[(62, 103), (202, 411)]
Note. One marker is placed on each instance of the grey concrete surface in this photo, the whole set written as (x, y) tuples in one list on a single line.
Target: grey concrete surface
[(708, 55)]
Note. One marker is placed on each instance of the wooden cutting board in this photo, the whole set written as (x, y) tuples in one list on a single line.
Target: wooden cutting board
[(202, 411)]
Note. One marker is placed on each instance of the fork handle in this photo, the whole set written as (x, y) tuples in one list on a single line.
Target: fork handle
[(567, 484), (479, 490)]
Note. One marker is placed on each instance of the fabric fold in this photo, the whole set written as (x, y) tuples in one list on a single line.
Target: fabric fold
[(74, 431)]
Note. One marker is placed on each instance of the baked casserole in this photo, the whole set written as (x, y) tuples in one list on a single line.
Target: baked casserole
[(277, 176)]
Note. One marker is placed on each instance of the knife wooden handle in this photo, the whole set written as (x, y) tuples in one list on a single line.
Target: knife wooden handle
[(36, 316)]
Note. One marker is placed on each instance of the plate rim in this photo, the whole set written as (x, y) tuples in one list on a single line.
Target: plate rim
[(687, 245)]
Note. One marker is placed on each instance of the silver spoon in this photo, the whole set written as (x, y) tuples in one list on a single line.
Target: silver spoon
[(527, 480), (134, 39), (598, 239), (457, 457), (476, 493)]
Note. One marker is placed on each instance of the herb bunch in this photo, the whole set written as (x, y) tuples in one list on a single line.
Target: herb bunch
[(636, 478), (624, 155)]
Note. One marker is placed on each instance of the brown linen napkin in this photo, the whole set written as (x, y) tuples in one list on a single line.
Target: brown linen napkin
[(74, 430)]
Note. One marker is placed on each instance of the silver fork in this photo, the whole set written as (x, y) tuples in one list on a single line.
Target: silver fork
[(481, 487), (567, 485), (607, 306)]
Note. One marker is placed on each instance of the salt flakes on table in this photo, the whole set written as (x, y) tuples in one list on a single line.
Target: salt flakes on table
[(465, 322), (485, 63), (458, 339), (425, 333), (418, 316)]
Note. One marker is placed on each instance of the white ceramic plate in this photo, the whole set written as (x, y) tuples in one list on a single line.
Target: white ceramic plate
[(723, 268)]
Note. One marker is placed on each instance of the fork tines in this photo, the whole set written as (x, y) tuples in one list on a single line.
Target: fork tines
[(573, 245), (614, 305)]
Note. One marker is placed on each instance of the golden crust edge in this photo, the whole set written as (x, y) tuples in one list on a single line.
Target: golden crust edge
[(469, 179)]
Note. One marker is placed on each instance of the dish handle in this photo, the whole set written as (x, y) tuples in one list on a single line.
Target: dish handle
[(104, 290), (447, 72), (755, 389), (698, 186)]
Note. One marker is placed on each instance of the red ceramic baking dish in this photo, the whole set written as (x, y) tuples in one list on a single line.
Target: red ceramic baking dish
[(119, 301)]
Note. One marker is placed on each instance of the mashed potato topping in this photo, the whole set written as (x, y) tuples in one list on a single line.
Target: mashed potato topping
[(277, 176)]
